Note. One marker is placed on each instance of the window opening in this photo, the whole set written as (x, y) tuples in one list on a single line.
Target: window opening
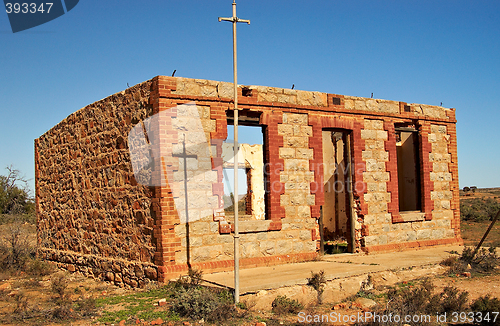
[(407, 147), (251, 176)]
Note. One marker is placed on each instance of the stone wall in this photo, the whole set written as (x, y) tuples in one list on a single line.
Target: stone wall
[(130, 216), (92, 215)]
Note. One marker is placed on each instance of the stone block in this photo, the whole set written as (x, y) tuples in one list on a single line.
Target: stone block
[(296, 165), (226, 238), (284, 247), (200, 254), (310, 246), (439, 167), (295, 119), (449, 234), (411, 235), (384, 218), (366, 155), (292, 234), (298, 246), (250, 249), (262, 236), (382, 239), (267, 97), (303, 131), (285, 129), (368, 134), (305, 235), (199, 228), (377, 197), (297, 198), (348, 104), (424, 234), (377, 208), (370, 219), (287, 152), (304, 153), (375, 166), (194, 241), (209, 240), (371, 240), (437, 234), (267, 248), (304, 211), (376, 177), (283, 98), (295, 141), (311, 98), (290, 211)]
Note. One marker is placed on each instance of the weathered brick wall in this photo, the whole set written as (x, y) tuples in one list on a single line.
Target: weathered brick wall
[(92, 215)]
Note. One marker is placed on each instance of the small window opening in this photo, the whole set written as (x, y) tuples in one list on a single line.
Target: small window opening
[(251, 176), (246, 91), (336, 100), (407, 147), (407, 108)]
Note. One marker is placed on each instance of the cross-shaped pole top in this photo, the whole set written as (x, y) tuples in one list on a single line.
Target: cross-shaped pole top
[(234, 19)]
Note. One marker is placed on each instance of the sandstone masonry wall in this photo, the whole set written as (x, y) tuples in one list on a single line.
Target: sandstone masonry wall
[(94, 216)]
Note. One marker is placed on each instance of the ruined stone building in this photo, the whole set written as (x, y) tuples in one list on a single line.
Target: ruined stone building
[(137, 187)]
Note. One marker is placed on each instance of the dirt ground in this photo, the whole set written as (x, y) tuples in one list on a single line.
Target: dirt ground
[(35, 299), (41, 298)]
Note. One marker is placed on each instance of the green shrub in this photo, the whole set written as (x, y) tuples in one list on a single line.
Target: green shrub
[(318, 281), (15, 251), (203, 303), (38, 268), (482, 261), (420, 300), (452, 300), (86, 307), (486, 305), (63, 311), (450, 261), (21, 303), (15, 194), (284, 305), (478, 209), (195, 276), (59, 285)]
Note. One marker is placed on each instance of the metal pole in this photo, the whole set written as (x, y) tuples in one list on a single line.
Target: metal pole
[(235, 20), (235, 147), (351, 196), (321, 233)]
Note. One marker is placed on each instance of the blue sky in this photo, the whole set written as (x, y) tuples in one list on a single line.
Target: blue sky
[(414, 51)]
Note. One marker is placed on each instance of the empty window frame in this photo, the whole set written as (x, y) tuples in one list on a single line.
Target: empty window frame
[(251, 164), (408, 158)]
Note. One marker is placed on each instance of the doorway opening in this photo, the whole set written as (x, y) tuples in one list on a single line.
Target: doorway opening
[(336, 216)]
